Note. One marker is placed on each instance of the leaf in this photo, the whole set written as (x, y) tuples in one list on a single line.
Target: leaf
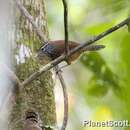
[(97, 88), (97, 65)]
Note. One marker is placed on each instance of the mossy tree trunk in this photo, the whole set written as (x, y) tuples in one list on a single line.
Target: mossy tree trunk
[(38, 95)]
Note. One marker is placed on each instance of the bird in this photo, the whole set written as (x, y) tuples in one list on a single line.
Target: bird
[(53, 49)]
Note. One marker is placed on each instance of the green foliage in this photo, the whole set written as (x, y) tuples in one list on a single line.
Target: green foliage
[(129, 27), (104, 77), (99, 67), (98, 28), (96, 87)]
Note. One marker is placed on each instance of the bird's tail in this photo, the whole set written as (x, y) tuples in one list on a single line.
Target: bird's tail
[(93, 47)]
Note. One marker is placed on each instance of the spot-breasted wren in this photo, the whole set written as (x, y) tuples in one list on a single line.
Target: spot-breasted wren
[(54, 49)]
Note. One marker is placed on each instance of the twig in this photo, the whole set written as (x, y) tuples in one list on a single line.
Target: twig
[(42, 70), (26, 14), (65, 95), (66, 26), (63, 57), (58, 70)]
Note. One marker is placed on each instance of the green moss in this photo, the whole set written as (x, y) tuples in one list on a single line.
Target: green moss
[(38, 95)]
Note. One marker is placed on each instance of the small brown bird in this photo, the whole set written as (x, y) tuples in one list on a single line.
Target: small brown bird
[(54, 49)]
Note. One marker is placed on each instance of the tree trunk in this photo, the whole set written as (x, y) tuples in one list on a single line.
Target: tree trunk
[(39, 95)]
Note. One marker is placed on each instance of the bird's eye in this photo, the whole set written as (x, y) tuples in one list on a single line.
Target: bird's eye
[(42, 48)]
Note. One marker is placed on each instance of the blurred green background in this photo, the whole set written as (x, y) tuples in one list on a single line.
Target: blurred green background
[(99, 82)]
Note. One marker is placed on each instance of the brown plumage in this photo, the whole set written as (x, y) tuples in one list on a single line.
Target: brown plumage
[(54, 49)]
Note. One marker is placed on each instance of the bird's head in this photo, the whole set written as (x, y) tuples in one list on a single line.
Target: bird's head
[(43, 54)]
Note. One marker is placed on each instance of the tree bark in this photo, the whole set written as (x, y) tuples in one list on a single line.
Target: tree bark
[(39, 95)]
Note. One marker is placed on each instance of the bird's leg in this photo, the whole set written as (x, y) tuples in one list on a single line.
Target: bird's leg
[(57, 69)]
